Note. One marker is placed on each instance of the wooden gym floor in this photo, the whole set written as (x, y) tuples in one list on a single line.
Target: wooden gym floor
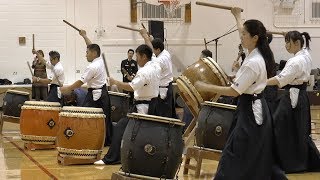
[(18, 163)]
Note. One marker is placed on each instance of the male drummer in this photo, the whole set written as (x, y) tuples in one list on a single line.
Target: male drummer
[(96, 78), (56, 79), (163, 57), (146, 90)]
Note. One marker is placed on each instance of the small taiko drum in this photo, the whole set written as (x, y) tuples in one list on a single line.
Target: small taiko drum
[(13, 102), (119, 105), (152, 146), (214, 122), (81, 132), (39, 122), (207, 71)]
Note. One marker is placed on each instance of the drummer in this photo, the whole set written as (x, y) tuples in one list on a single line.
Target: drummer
[(163, 57), (96, 78), (56, 79), (146, 90)]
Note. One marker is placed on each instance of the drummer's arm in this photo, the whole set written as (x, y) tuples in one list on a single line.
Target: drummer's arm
[(221, 90), (122, 85), (83, 33), (237, 15), (41, 80), (146, 37), (68, 89)]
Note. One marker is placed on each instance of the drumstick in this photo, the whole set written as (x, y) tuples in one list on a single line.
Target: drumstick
[(205, 43), (145, 28), (30, 68), (71, 25), (215, 5), (105, 64), (33, 42), (129, 28), (275, 32)]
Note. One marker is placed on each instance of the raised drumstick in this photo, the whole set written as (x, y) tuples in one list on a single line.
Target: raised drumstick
[(128, 28), (30, 68), (105, 64), (279, 33), (33, 42), (205, 43), (71, 25), (215, 5)]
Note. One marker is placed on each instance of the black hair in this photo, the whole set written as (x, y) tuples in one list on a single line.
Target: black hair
[(130, 50), (144, 49), (295, 36), (255, 27), (157, 43), (207, 53), (282, 64), (269, 37), (54, 54), (94, 47), (41, 52)]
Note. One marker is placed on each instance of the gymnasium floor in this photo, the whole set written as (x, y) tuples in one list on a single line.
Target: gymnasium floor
[(17, 163)]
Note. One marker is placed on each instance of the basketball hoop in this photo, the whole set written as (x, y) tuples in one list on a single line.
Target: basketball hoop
[(170, 6)]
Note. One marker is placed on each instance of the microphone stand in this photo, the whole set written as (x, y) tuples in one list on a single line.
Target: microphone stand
[(216, 41)]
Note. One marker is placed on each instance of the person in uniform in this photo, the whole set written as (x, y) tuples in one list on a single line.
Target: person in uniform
[(295, 150), (248, 151), (56, 79), (129, 69), (163, 57), (96, 78), (145, 86), (39, 91)]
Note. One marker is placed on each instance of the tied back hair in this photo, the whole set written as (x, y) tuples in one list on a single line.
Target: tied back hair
[(296, 35), (255, 27)]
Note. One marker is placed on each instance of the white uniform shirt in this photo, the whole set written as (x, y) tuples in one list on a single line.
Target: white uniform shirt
[(57, 72), (146, 84), (164, 59), (95, 74), (297, 69), (252, 79)]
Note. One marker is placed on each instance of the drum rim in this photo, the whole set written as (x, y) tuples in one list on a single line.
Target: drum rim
[(17, 92), (222, 105), (81, 109), (221, 72), (42, 103), (190, 87), (118, 93), (157, 118), (139, 176)]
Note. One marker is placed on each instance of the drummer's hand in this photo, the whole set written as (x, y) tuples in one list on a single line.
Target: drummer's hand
[(34, 51), (143, 32), (112, 81), (236, 11), (34, 79), (65, 90), (82, 33), (201, 86), (235, 66)]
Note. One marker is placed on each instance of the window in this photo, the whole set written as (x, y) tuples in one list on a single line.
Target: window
[(154, 12)]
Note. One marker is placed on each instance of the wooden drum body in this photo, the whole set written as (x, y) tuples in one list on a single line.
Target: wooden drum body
[(152, 146), (39, 122), (119, 105), (214, 122), (81, 132), (207, 71), (13, 102)]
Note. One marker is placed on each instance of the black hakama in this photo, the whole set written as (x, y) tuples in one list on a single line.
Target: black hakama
[(248, 152)]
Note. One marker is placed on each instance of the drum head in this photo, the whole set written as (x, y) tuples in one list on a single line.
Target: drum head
[(81, 112), (42, 103), (138, 116), (118, 94), (18, 92)]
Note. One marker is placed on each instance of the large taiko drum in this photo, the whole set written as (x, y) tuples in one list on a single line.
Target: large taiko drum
[(152, 146), (214, 122), (39, 122), (13, 101), (205, 70), (119, 105), (81, 132)]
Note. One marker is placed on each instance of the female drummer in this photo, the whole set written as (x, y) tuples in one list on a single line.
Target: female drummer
[(248, 151), (295, 149)]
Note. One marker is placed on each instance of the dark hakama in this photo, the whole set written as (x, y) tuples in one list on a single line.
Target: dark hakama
[(166, 107), (248, 152), (104, 103), (53, 94), (113, 155), (295, 150)]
